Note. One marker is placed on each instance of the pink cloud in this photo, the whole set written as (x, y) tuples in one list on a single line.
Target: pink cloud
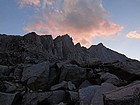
[(82, 19), (133, 34)]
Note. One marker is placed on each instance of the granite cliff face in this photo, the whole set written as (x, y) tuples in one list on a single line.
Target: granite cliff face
[(40, 70), (32, 46)]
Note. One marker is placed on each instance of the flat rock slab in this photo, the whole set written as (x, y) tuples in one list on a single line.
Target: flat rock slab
[(6, 98), (127, 95)]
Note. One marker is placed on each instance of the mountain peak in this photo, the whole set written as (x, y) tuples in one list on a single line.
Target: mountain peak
[(64, 48), (31, 33), (100, 44)]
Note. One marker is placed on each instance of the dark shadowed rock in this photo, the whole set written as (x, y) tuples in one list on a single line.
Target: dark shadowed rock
[(10, 87), (105, 54), (85, 84), (64, 47), (110, 78), (37, 75), (46, 98), (127, 95), (4, 70), (92, 95), (73, 96), (98, 97), (7, 99), (86, 94), (73, 73), (64, 85), (130, 66)]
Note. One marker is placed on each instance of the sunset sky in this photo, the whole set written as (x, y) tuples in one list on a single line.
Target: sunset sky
[(115, 23)]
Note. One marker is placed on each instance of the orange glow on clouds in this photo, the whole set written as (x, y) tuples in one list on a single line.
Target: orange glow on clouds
[(133, 34), (81, 19)]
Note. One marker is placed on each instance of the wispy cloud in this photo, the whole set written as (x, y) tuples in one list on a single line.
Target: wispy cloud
[(133, 34), (23, 3), (82, 19)]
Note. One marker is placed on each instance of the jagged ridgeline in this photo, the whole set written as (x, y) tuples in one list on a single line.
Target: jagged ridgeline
[(40, 70)]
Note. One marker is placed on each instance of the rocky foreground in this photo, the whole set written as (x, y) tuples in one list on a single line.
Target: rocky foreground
[(40, 70)]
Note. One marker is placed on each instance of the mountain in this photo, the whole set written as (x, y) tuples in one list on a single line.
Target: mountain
[(37, 47), (38, 70)]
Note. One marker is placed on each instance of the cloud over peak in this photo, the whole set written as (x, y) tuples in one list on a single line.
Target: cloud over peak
[(133, 34), (82, 19)]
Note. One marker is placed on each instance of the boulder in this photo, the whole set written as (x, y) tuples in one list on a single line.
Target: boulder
[(71, 97), (18, 71), (46, 98), (7, 98), (85, 84), (73, 73), (64, 85), (37, 76), (71, 86), (129, 69), (86, 94), (92, 95), (10, 87), (126, 95), (110, 78), (98, 97), (4, 70)]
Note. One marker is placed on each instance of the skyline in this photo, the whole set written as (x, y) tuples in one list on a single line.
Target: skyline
[(114, 23)]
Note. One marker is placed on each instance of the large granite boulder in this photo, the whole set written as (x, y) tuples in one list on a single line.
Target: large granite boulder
[(86, 94), (73, 73), (44, 98), (130, 66), (36, 76), (92, 95), (98, 97), (127, 95)]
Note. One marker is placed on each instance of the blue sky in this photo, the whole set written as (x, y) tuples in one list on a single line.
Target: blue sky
[(115, 23)]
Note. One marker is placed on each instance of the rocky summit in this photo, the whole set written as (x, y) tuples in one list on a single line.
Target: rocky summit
[(40, 70)]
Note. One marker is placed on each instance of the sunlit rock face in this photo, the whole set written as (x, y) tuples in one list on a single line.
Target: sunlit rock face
[(40, 70)]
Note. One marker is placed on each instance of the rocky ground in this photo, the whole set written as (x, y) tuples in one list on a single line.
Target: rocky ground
[(40, 70)]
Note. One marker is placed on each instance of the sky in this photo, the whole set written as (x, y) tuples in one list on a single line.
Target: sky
[(115, 23)]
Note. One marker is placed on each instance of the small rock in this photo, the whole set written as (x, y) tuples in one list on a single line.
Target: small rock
[(71, 86), (73, 96), (10, 87), (84, 84), (63, 84), (61, 103)]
